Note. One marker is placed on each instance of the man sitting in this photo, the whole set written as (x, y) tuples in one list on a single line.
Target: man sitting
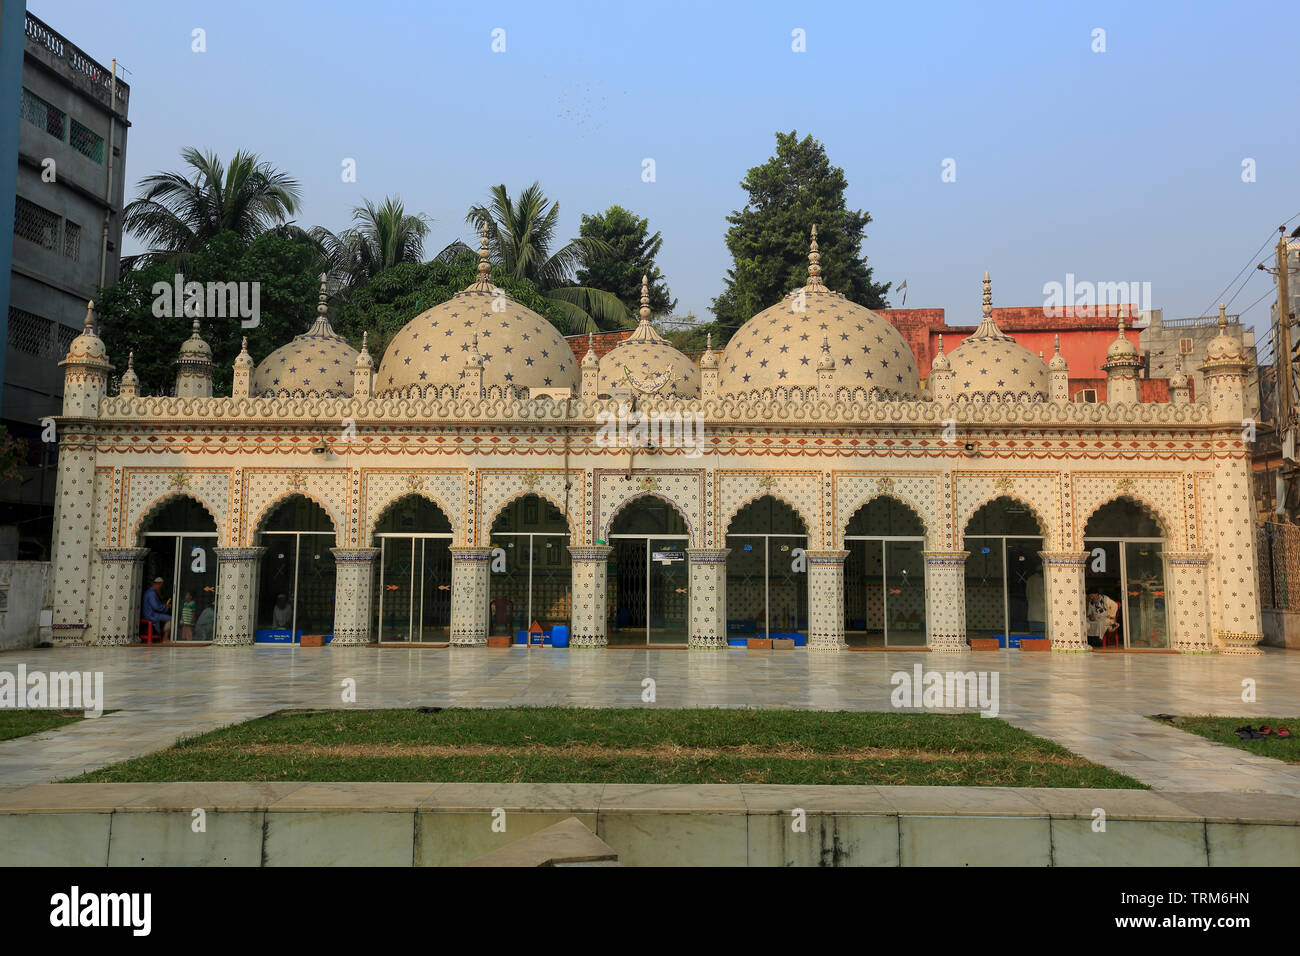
[(155, 610)]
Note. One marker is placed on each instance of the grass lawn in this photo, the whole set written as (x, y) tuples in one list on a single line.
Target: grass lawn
[(622, 746), (1220, 729), (20, 723)]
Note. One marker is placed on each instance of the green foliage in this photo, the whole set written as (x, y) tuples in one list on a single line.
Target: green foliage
[(397, 295), (13, 452), (521, 236), (177, 213), (790, 193), (633, 252), (382, 236), (288, 288)]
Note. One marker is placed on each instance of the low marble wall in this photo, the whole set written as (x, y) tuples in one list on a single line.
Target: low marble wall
[(23, 584), (432, 824)]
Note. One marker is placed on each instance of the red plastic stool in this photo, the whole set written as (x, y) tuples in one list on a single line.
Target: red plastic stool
[(147, 632)]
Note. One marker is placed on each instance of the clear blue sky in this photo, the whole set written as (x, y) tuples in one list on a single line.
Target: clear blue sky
[(1115, 166)]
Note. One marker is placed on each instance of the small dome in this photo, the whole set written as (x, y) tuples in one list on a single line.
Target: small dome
[(194, 349), (780, 345), (709, 359), (645, 359), (243, 359), (518, 347), (1223, 347), (1121, 347), (989, 365), (1179, 378), (940, 363), (1057, 364), (129, 378), (589, 360), (88, 347), (318, 362)]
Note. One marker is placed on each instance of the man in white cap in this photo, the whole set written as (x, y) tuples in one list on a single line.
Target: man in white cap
[(155, 609)]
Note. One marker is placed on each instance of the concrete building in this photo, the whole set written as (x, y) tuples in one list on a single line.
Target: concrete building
[(68, 194), (1166, 342)]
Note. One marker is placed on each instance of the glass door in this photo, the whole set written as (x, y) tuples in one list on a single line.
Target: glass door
[(668, 592), (1125, 593), (904, 593), (414, 588), (1144, 576)]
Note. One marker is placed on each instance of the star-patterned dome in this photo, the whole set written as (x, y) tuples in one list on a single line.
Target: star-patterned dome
[(1223, 347), (781, 345), (517, 346), (318, 362), (644, 359), (989, 365)]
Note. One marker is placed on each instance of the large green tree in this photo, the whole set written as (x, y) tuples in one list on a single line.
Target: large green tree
[(396, 295), (632, 255), (521, 236), (287, 290), (768, 240), (381, 237), (177, 213)]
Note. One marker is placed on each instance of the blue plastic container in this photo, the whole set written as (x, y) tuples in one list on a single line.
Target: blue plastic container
[(560, 635), (521, 637), (269, 635), (737, 642)]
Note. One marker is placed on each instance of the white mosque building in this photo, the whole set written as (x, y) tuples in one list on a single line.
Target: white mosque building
[(803, 483)]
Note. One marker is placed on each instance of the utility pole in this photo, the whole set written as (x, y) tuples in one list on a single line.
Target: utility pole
[(1284, 377)]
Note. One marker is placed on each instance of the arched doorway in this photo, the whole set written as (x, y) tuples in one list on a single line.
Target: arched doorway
[(650, 590), (296, 585), (414, 601), (1124, 580), (884, 576), (182, 538), (531, 575), (767, 571), (1005, 593)]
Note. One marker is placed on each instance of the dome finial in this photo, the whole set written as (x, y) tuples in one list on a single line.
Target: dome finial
[(988, 297), (814, 265), (645, 298), (89, 326), (708, 359), (1223, 318), (130, 359), (322, 297), (483, 282), (195, 327), (589, 360)]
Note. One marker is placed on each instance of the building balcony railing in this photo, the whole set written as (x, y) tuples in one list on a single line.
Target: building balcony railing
[(100, 77), (1199, 322)]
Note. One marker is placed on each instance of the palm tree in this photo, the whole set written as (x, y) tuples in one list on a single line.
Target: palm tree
[(177, 212), (383, 236), (521, 233)]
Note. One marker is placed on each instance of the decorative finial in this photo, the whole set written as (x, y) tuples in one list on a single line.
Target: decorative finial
[(1121, 322), (826, 362), (988, 297), (195, 327), (321, 298), (940, 343), (1058, 344), (814, 264), (645, 298), (708, 341), (1223, 318), (90, 317), (130, 360)]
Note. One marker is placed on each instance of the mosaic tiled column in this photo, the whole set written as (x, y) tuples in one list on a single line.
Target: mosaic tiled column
[(73, 519), (1234, 550), (354, 583), (945, 600), (1188, 604), (120, 592), (237, 574), (588, 626), (708, 571), (469, 596), (826, 600), (1067, 623)]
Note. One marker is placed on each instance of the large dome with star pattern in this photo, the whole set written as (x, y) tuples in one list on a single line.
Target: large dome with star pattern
[(781, 345), (518, 347)]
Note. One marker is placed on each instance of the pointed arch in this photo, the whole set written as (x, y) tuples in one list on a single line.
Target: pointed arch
[(138, 527)]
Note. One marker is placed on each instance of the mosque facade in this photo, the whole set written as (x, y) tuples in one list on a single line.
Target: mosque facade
[(482, 479)]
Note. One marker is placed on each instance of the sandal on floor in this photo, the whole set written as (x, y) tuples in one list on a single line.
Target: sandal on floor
[(1265, 729), (1245, 733), (1283, 732)]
